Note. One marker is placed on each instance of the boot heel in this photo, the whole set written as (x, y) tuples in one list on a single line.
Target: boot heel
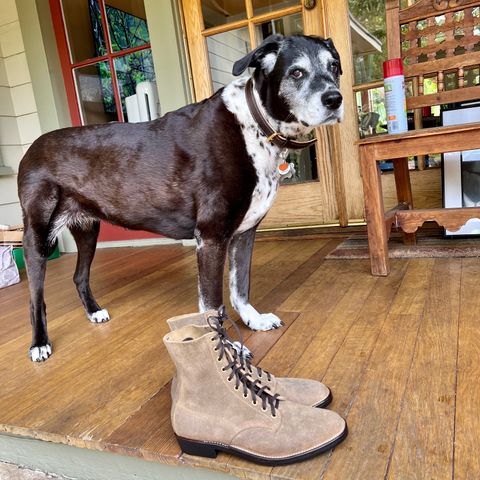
[(197, 448)]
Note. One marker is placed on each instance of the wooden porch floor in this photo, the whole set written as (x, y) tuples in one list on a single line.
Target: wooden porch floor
[(401, 355)]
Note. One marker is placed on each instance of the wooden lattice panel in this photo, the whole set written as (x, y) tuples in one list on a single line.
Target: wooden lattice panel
[(441, 35), (438, 39)]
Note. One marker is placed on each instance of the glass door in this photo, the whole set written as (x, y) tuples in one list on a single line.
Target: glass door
[(219, 32)]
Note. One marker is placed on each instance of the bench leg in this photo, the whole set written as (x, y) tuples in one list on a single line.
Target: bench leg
[(374, 212), (404, 192)]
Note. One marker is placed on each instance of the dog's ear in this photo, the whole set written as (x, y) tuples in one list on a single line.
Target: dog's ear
[(329, 44), (270, 46)]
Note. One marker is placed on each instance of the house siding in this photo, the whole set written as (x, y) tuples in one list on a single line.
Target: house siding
[(19, 122)]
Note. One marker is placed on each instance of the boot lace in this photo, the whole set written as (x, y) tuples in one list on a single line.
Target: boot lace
[(240, 366)]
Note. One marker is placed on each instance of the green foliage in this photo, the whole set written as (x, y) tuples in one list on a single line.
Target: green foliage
[(126, 31), (371, 14)]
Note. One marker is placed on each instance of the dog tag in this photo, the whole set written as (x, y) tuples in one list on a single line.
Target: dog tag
[(286, 170)]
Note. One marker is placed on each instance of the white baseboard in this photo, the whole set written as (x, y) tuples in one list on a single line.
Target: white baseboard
[(189, 242), (141, 242), (67, 244)]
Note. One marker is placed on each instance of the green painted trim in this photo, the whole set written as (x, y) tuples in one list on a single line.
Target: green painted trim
[(84, 464)]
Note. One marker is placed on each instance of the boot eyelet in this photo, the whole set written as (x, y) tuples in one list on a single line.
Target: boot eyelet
[(274, 416), (245, 395), (264, 409), (223, 369), (219, 359), (254, 403), (236, 388)]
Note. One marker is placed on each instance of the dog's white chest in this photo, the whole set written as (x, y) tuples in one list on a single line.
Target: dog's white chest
[(262, 200), (264, 156)]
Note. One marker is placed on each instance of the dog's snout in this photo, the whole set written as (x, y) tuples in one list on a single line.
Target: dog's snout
[(332, 99)]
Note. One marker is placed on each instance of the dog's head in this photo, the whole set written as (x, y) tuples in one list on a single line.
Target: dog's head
[(297, 78)]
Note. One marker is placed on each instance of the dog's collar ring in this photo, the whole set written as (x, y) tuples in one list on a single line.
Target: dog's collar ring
[(273, 137)]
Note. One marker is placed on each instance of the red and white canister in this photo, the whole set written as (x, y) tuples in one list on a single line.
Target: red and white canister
[(395, 99)]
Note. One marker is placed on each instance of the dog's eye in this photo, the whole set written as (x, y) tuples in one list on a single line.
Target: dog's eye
[(297, 73), (335, 68)]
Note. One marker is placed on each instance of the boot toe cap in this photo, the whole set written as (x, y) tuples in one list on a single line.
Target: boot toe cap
[(307, 392), (303, 432)]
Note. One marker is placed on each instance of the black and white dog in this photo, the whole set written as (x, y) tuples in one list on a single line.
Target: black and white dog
[(206, 171)]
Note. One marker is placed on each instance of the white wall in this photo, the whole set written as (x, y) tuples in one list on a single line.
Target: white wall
[(19, 123), (224, 49)]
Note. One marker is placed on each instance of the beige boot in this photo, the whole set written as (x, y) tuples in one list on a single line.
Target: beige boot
[(306, 392), (219, 407)]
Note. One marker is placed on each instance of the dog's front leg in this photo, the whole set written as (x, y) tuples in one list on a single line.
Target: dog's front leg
[(240, 256), (211, 255)]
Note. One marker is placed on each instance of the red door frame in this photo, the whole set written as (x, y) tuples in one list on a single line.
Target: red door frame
[(108, 232)]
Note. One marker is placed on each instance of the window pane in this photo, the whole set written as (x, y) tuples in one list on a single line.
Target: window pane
[(369, 37), (219, 12), (131, 70), (84, 29), (127, 24), (264, 6), (371, 111), (224, 49), (95, 93), (289, 25), (305, 164)]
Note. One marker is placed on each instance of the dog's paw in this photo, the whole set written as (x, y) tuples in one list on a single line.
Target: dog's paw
[(243, 351), (100, 316), (264, 321), (40, 354)]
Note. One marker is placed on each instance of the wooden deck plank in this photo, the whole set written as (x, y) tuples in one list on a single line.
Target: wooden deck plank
[(140, 303), (381, 390), (299, 276), (288, 261), (332, 272), (355, 332), (61, 296), (467, 420), (104, 263), (344, 372), (426, 424)]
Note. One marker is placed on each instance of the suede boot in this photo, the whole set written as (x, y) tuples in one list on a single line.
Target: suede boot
[(307, 392), (219, 407)]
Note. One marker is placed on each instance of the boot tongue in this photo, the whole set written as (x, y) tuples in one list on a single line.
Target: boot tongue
[(216, 323), (241, 370), (252, 386)]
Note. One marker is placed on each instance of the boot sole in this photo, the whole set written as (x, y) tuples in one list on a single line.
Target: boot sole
[(210, 450), (324, 403)]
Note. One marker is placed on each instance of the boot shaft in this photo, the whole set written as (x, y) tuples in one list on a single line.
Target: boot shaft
[(207, 390)]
